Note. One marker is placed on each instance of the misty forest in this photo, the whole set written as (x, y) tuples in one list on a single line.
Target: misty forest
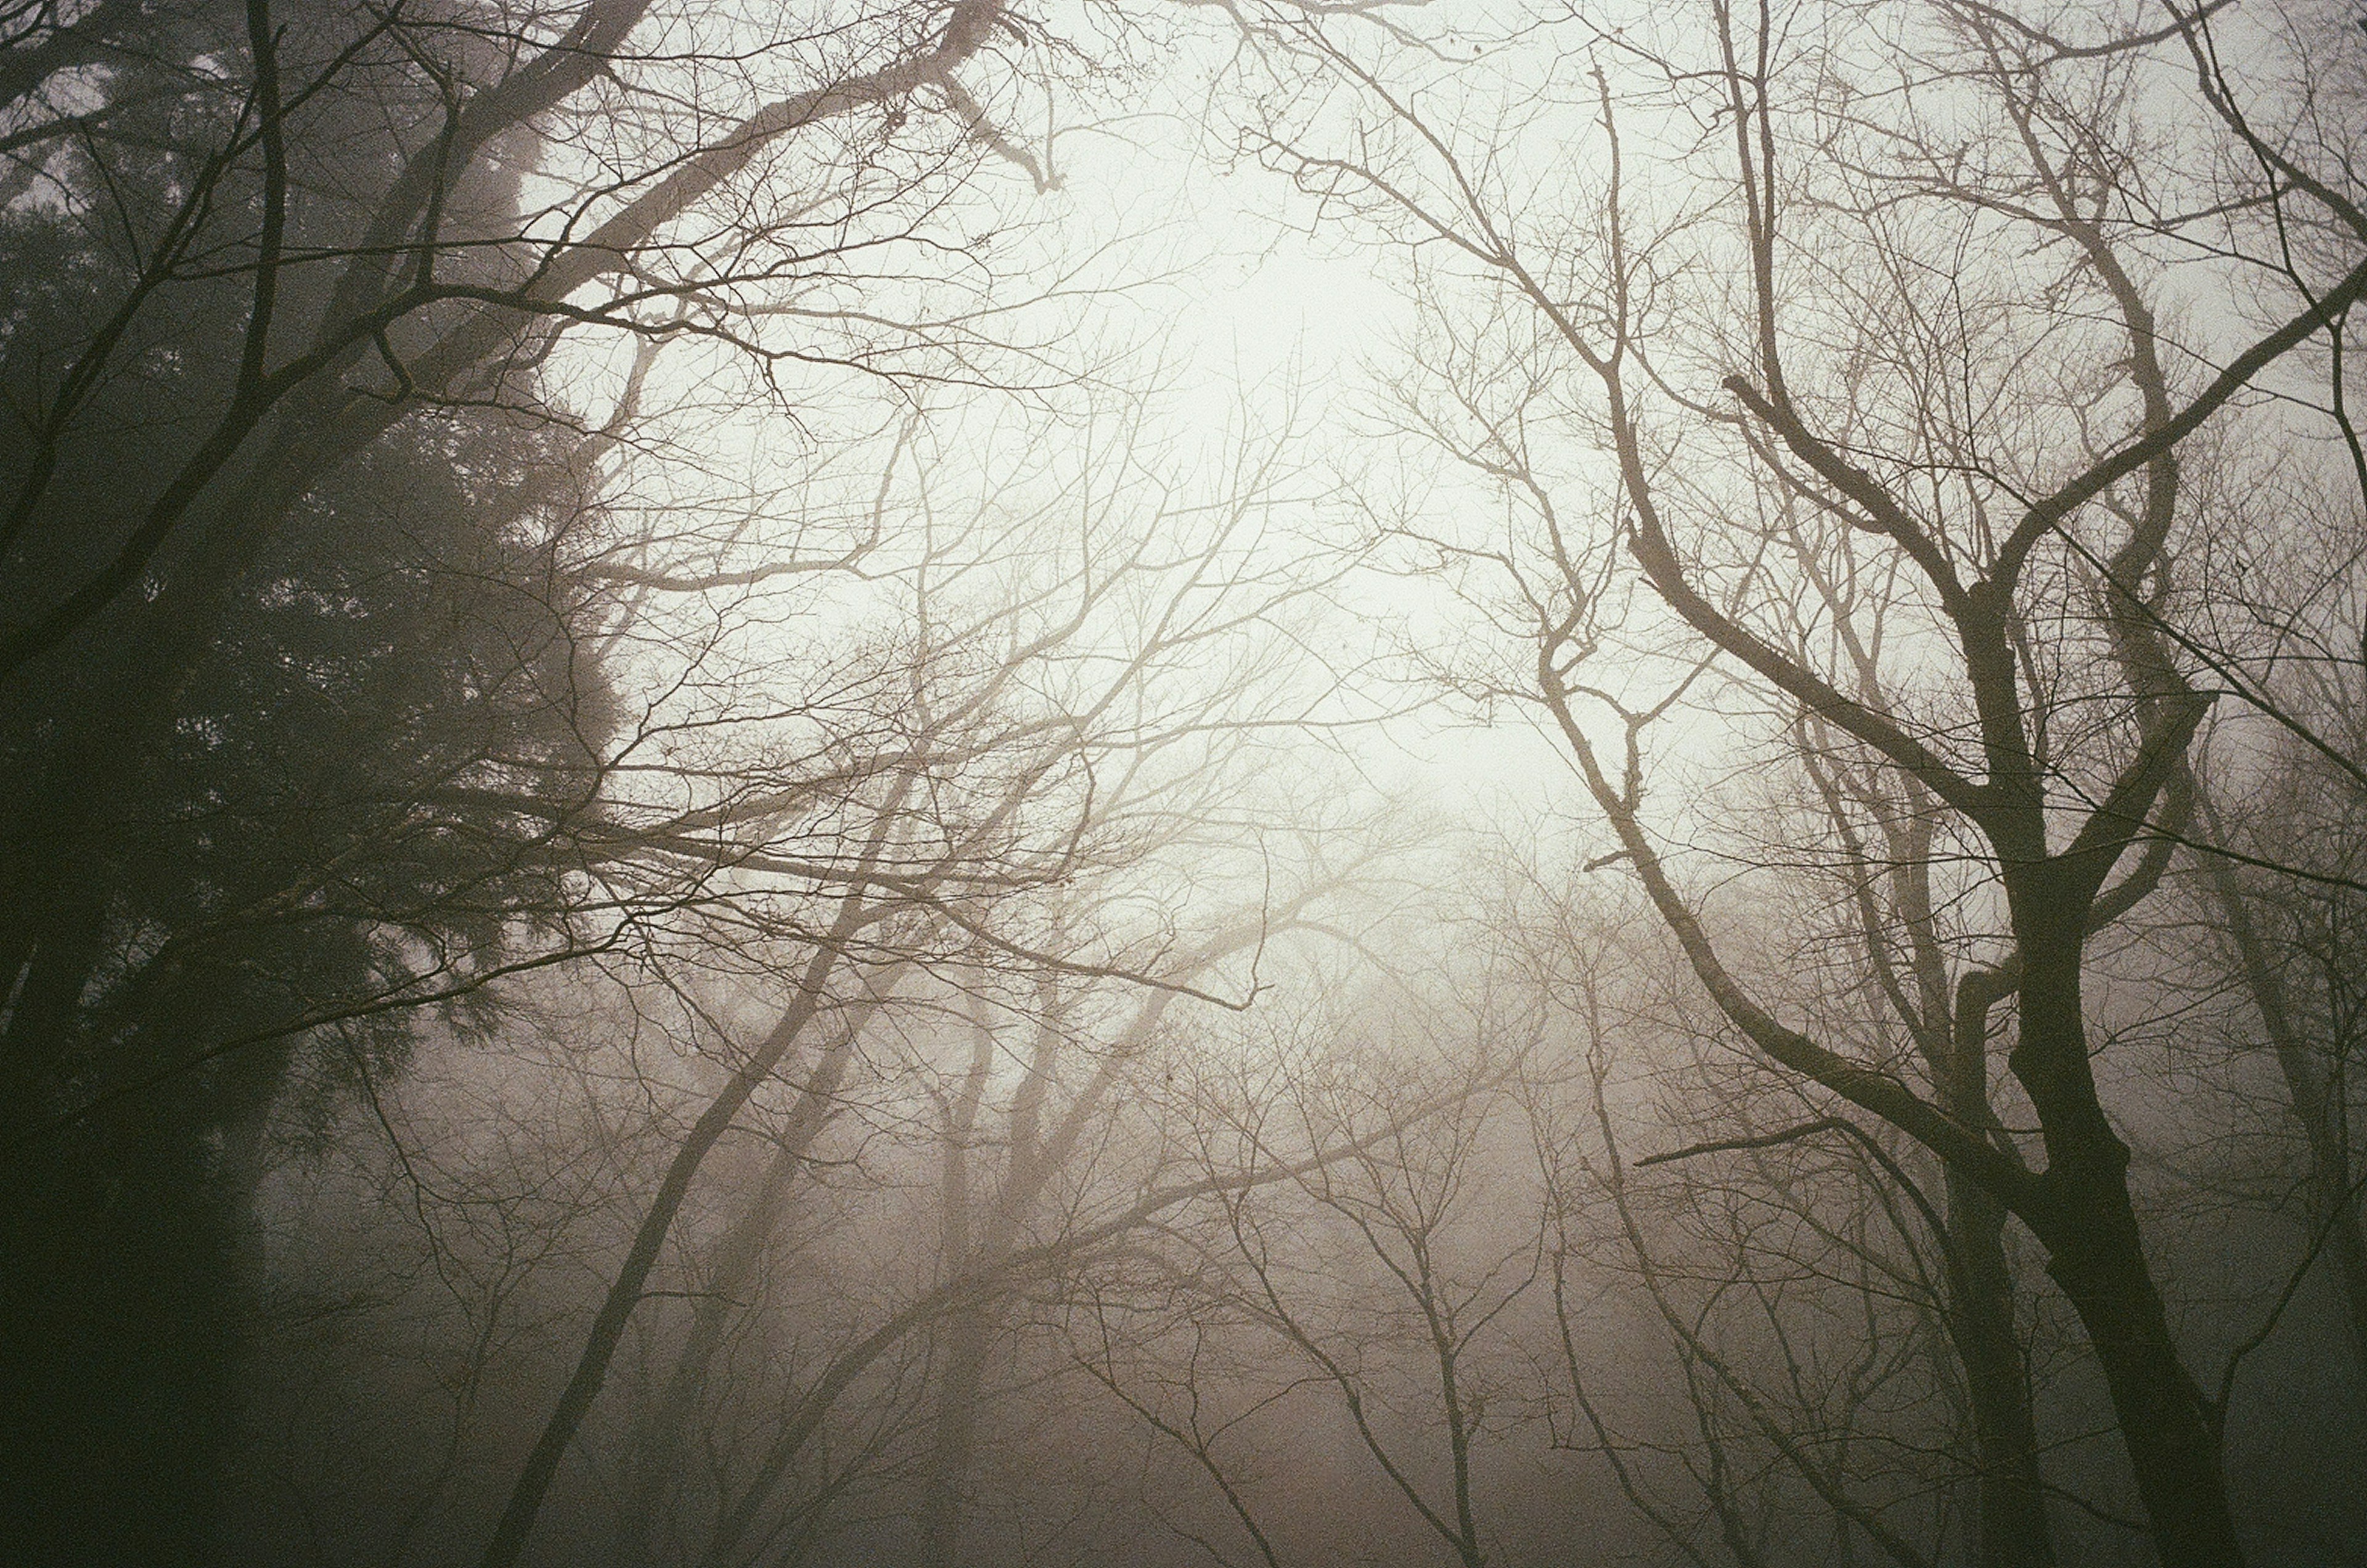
[(1260, 782)]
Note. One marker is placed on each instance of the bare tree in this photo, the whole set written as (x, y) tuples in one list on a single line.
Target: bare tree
[(1805, 302)]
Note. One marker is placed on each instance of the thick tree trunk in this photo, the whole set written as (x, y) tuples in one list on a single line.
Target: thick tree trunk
[(120, 1303), (2096, 1253), (118, 1335)]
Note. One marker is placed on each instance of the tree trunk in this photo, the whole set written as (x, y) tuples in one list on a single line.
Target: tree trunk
[(2096, 1253), (2097, 1257), (2014, 1531), (120, 1314), (944, 1494)]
